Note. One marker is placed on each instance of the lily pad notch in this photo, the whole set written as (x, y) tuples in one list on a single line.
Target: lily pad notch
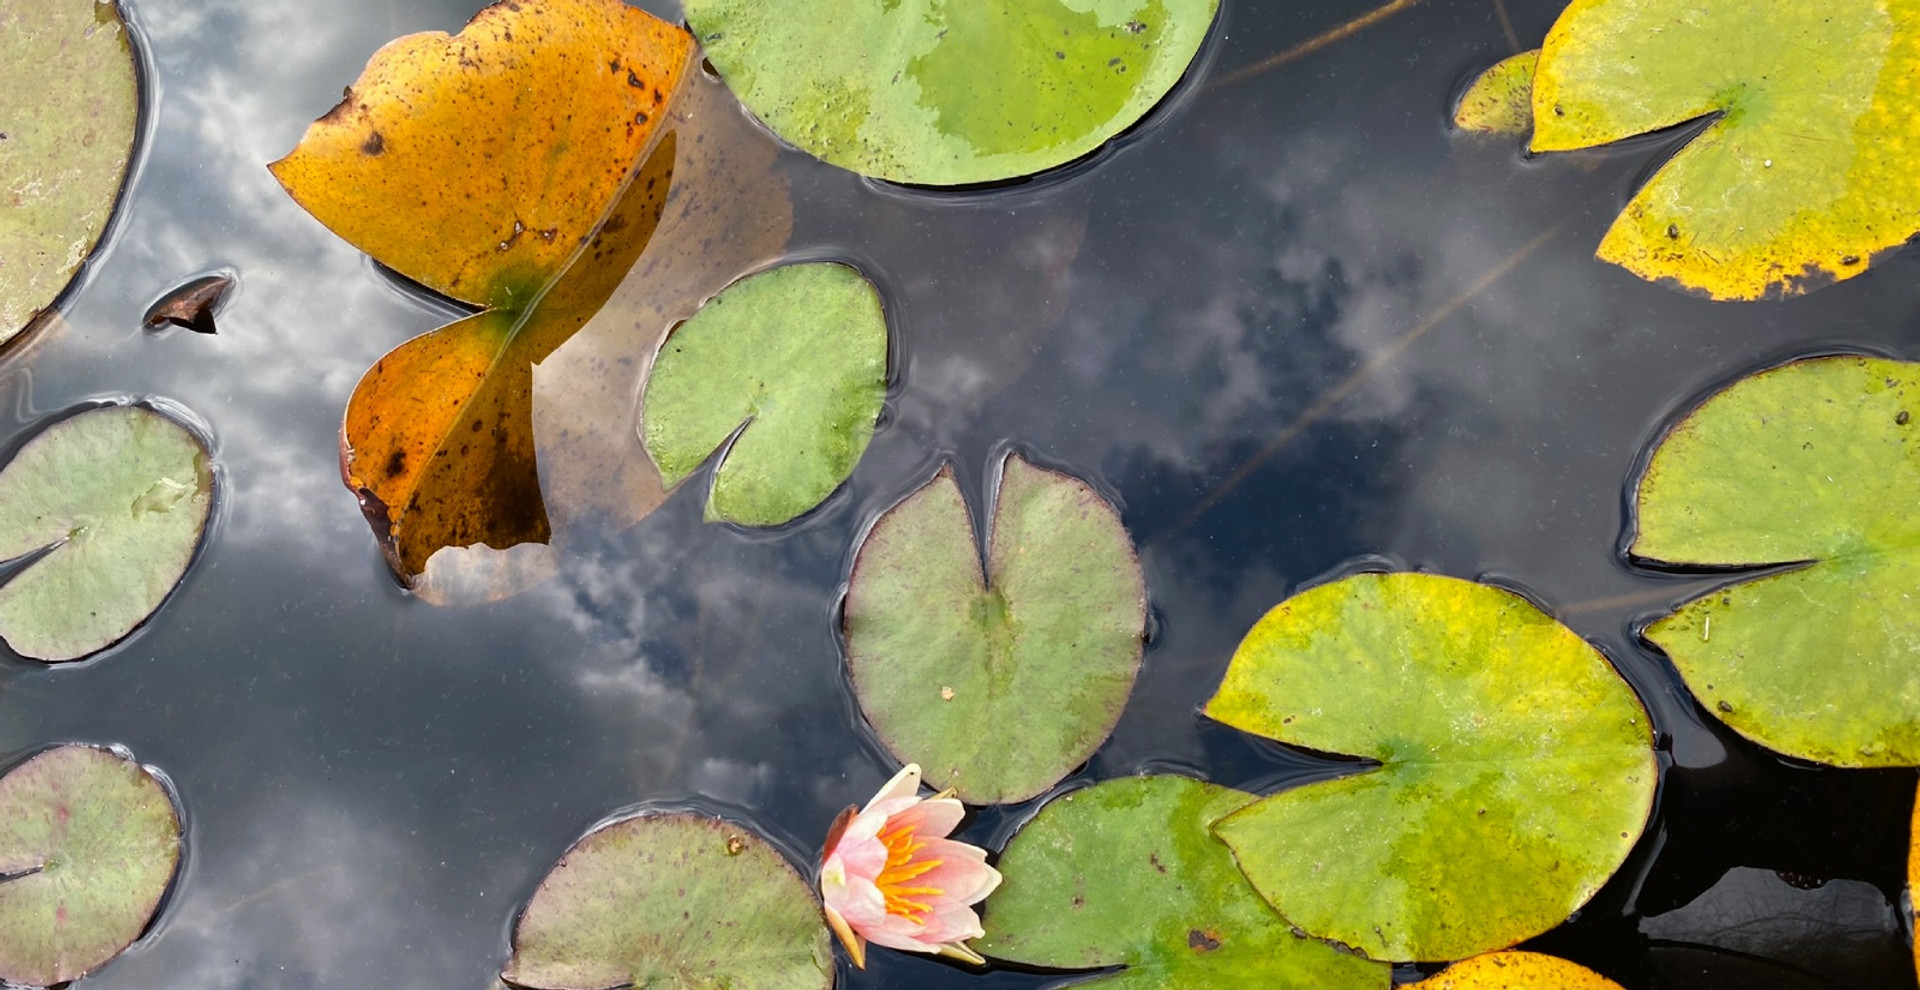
[(90, 842), (108, 507), (999, 677)]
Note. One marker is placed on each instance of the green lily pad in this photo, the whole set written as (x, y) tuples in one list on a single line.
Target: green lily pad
[(1500, 101), (1127, 873), (1516, 768), (672, 900), (942, 92), (792, 360), (89, 841), (998, 683), (1810, 172), (117, 497), (73, 101), (1812, 464)]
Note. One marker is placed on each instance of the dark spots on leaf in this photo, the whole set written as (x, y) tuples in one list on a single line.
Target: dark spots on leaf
[(396, 463), (1200, 941), (634, 80), (1852, 259), (1557, 112), (1154, 858), (1902, 417), (1060, 55), (1135, 27), (641, 117), (1078, 902), (1673, 231), (374, 144), (613, 65), (1724, 708)]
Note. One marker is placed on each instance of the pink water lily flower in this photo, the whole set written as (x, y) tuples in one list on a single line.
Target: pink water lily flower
[(892, 877)]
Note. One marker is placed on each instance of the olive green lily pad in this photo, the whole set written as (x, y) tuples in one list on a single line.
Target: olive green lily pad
[(949, 92), (72, 106), (1515, 767), (89, 841), (1128, 873), (1811, 170), (786, 370), (672, 900), (1813, 464), (998, 683), (1500, 101), (117, 498)]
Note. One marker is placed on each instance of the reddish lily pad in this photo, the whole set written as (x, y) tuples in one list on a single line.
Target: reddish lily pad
[(672, 900), (89, 841)]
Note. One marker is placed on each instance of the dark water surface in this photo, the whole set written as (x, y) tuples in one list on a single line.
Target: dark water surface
[(373, 785)]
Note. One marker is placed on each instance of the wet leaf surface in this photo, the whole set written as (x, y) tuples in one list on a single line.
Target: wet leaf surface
[(1128, 873), (1810, 464), (672, 900), (1515, 768), (1516, 971), (88, 844), (114, 501), (1500, 101), (998, 683), (439, 440), (191, 305), (73, 103), (1807, 173), (949, 93), (784, 372)]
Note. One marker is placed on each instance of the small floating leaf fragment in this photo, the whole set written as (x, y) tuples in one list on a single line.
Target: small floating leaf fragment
[(950, 92), (644, 901), (1515, 767), (1500, 101), (1809, 170), (89, 841), (1128, 873), (784, 372), (1515, 971), (192, 305), (1044, 642), (115, 500), (67, 68), (1807, 470)]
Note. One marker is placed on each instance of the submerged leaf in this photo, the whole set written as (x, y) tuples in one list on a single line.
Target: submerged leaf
[(1515, 769), (1128, 873), (1811, 464), (88, 844), (545, 114), (787, 370), (72, 104), (1500, 101), (1515, 971), (117, 498), (1810, 168), (945, 92), (671, 900), (998, 683)]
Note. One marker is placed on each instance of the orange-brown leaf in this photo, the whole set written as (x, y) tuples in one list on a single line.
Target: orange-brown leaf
[(478, 163)]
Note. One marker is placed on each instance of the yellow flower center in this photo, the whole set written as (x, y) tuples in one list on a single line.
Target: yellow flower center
[(897, 877)]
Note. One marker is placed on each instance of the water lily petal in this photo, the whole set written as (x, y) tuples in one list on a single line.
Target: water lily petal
[(862, 904), (963, 875), (934, 818), (906, 783), (955, 923)]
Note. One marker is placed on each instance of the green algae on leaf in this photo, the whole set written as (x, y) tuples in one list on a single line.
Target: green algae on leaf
[(115, 500), (1810, 169), (671, 900), (949, 92), (89, 841), (1515, 768), (998, 682), (1816, 465), (72, 106), (785, 371), (1128, 873), (1500, 101)]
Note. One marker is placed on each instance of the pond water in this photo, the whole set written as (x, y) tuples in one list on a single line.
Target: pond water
[(1292, 324)]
